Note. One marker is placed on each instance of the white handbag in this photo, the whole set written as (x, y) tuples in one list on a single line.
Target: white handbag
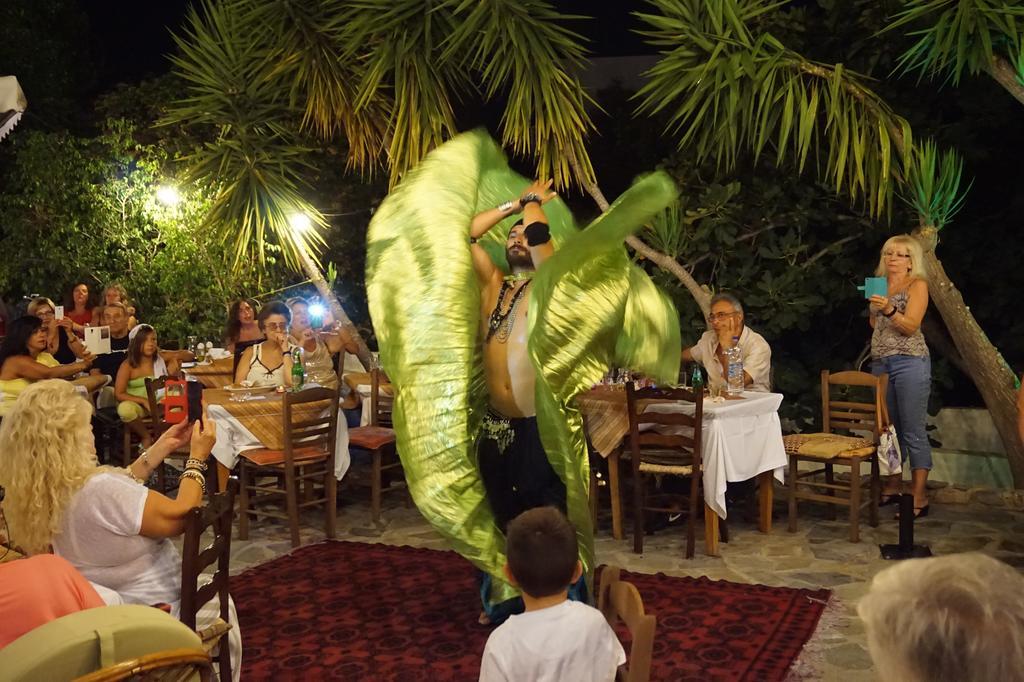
[(890, 461)]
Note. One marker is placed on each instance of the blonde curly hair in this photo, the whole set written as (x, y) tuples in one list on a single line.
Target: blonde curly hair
[(47, 453)]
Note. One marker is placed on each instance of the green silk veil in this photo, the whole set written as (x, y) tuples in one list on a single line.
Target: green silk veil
[(590, 309)]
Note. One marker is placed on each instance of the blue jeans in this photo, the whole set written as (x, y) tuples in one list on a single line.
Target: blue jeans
[(910, 382)]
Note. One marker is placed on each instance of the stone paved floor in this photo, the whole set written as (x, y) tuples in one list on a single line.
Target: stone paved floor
[(816, 556)]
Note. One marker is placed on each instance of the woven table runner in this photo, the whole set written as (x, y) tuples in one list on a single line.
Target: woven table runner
[(216, 374), (263, 417), (606, 416)]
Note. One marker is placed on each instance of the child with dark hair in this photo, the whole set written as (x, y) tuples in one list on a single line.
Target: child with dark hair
[(555, 639)]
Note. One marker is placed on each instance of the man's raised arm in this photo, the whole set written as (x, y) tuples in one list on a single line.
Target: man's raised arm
[(481, 225), (538, 234)]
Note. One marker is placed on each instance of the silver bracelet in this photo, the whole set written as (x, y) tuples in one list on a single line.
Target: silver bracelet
[(506, 206), (131, 475)]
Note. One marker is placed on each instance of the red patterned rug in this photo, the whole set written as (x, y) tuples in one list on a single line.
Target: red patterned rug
[(355, 611)]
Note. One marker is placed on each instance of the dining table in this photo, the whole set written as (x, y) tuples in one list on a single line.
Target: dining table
[(213, 374), (741, 440), (249, 420)]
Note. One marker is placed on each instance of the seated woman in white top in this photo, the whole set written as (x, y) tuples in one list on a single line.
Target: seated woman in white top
[(727, 324), (103, 520), (318, 347), (268, 363)]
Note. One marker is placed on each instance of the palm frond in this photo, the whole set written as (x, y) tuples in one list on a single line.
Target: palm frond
[(397, 46), (933, 184), (257, 159), (305, 55), (727, 91), (958, 36), (521, 47)]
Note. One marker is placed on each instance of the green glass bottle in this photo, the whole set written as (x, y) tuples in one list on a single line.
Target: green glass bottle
[(298, 371), (697, 379)]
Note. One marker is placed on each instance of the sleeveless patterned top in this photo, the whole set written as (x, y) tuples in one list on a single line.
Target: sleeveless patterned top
[(887, 340)]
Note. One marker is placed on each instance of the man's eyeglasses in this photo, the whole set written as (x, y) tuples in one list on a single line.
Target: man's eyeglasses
[(893, 254), (276, 327), (720, 316)]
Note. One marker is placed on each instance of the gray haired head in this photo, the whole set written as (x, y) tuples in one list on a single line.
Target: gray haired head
[(728, 298)]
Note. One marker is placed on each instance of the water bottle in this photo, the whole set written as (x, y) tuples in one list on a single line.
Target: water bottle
[(735, 368), (298, 371)]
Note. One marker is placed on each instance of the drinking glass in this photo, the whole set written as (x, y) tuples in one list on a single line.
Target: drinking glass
[(192, 344)]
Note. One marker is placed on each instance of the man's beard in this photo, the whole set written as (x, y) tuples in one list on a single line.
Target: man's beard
[(519, 259)]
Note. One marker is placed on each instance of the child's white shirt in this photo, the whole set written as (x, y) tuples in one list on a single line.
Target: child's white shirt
[(563, 643)]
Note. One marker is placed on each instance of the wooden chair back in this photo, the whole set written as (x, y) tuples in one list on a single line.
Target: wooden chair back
[(312, 432), (681, 449), (156, 416), (380, 405), (217, 515), (175, 664), (842, 413), (619, 600)]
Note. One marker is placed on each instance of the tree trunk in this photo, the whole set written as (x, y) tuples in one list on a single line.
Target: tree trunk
[(1006, 75), (701, 294), (317, 278), (990, 373)]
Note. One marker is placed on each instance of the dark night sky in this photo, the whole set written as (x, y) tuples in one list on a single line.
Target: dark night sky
[(132, 38)]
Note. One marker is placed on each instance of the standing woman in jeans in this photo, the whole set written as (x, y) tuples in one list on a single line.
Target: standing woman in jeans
[(898, 349)]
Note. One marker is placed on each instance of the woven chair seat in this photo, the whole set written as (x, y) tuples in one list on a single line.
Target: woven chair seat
[(370, 437), (264, 458), (827, 445), (675, 469)]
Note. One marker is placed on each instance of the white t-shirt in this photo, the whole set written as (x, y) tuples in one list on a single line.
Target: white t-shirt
[(755, 351), (100, 537), (563, 643)]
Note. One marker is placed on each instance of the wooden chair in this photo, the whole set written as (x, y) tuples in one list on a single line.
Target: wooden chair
[(379, 440), (307, 458), (163, 666), (217, 515), (673, 455), (829, 449), (620, 600)]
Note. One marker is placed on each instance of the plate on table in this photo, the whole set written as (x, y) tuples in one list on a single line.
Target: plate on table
[(235, 388)]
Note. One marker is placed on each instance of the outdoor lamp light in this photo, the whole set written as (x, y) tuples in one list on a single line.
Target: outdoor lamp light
[(168, 196), (300, 222)]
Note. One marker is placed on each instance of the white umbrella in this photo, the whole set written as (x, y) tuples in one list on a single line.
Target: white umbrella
[(12, 104)]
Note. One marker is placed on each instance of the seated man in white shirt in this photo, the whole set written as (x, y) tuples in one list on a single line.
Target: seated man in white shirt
[(555, 639), (726, 324)]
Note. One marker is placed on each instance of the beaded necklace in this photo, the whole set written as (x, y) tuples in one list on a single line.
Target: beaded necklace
[(500, 323)]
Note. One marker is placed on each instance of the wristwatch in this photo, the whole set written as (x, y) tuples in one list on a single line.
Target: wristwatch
[(532, 197)]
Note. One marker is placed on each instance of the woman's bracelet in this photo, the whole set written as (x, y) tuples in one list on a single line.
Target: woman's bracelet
[(131, 475), (196, 476), (192, 463), (894, 311)]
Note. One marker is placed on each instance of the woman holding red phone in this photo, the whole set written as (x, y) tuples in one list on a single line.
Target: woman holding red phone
[(102, 519)]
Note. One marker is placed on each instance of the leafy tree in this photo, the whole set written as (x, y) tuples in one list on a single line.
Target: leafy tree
[(84, 207)]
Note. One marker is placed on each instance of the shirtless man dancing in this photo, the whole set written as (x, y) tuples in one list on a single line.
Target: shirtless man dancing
[(513, 465)]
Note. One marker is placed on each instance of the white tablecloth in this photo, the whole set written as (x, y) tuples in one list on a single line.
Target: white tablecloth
[(742, 438), (233, 439)]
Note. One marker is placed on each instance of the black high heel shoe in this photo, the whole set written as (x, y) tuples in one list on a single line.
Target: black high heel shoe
[(919, 512)]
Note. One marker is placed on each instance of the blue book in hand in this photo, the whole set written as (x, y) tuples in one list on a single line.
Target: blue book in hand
[(874, 286)]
